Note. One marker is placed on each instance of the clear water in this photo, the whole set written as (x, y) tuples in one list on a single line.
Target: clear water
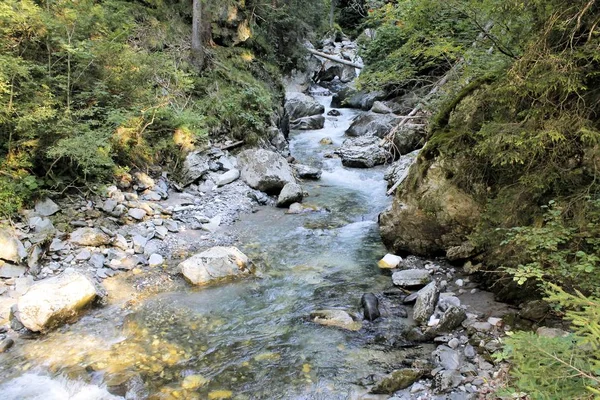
[(249, 339)]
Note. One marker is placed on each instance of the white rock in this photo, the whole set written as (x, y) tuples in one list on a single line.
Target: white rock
[(53, 301), (494, 321), (214, 264), (290, 194), (459, 282), (228, 177), (390, 261), (155, 260)]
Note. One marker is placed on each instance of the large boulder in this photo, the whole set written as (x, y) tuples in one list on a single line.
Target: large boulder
[(54, 301), (195, 166), (430, 215), (308, 123), (11, 248), (298, 105), (89, 237), (371, 124), (363, 152), (307, 172), (265, 170), (351, 98), (214, 264)]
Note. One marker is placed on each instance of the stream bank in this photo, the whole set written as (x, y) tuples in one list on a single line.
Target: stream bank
[(158, 337)]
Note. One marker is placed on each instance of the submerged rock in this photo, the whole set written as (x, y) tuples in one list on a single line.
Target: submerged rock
[(336, 318), (215, 264), (265, 170), (54, 301), (397, 380)]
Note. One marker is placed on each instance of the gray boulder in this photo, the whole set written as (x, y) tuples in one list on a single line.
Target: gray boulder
[(451, 319), (11, 271), (291, 193), (411, 278), (298, 105), (363, 152), (400, 167), (371, 124), (308, 123), (215, 264), (89, 237), (194, 167), (11, 248), (265, 170), (51, 302), (137, 213), (351, 98), (427, 299), (307, 172), (46, 207), (381, 107)]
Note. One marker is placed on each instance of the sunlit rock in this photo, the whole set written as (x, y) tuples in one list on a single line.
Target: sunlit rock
[(89, 237), (336, 318), (11, 248), (390, 261), (215, 264), (54, 301)]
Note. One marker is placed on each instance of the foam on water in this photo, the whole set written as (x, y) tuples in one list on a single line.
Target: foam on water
[(32, 386)]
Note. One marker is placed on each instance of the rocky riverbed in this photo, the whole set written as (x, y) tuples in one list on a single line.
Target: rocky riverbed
[(241, 276)]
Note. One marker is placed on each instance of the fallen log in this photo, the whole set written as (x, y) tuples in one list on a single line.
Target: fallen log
[(335, 59)]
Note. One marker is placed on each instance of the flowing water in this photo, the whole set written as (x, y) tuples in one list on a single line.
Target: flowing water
[(250, 339)]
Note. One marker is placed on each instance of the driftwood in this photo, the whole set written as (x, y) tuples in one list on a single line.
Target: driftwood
[(335, 59), (232, 145)]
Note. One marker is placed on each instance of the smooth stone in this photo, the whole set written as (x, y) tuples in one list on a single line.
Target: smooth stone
[(291, 193), (390, 261), (411, 278), (6, 344), (11, 271), (228, 177), (56, 300), (397, 380)]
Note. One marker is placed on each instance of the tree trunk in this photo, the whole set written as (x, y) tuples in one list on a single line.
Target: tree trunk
[(332, 14), (197, 44)]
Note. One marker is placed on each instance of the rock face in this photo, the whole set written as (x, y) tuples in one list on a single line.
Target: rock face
[(371, 124), (215, 264), (336, 318), (89, 237), (11, 248), (54, 301), (265, 170), (298, 105), (308, 123), (430, 216), (291, 193), (363, 152)]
